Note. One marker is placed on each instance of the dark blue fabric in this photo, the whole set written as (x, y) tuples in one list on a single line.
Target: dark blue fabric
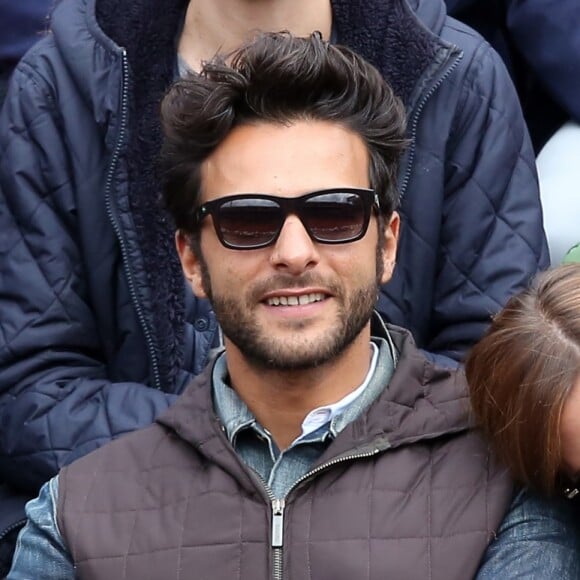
[(540, 42), (80, 334), (21, 25), (97, 332), (471, 219)]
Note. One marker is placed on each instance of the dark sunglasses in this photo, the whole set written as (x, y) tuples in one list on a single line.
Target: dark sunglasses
[(251, 220)]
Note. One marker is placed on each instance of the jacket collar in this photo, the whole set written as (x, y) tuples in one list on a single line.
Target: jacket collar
[(398, 36), (389, 34)]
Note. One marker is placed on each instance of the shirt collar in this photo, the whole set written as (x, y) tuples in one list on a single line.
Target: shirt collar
[(235, 414), (322, 415)]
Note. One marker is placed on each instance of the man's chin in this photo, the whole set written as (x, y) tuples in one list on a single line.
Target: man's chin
[(283, 354), (287, 364)]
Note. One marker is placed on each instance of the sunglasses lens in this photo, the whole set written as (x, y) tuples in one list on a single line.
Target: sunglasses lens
[(335, 217), (248, 223)]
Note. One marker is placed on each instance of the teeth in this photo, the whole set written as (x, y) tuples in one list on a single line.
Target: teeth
[(295, 300)]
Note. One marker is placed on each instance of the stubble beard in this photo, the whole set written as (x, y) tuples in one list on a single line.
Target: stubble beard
[(295, 352)]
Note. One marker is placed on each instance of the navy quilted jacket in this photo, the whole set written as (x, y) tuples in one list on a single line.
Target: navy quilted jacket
[(540, 42), (97, 331)]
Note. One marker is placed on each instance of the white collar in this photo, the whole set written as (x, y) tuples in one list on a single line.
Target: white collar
[(322, 415)]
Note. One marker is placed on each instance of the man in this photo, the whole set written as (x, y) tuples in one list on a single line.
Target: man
[(97, 332), (308, 449)]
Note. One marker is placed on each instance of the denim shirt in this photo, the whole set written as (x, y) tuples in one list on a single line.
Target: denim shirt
[(537, 539), (280, 470)]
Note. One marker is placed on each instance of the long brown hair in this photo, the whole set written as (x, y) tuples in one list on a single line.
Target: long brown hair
[(522, 371)]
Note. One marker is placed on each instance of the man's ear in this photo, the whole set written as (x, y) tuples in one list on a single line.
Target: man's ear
[(390, 241), (190, 264)]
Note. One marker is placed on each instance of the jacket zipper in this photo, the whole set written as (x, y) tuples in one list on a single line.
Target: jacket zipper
[(156, 379), (12, 527), (279, 505), (417, 115)]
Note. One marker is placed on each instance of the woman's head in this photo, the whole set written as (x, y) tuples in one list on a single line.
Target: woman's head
[(524, 378)]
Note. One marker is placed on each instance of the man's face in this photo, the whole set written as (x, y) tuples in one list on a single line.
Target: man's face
[(297, 303)]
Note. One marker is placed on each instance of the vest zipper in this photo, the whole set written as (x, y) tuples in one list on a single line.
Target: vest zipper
[(277, 541), (277, 531), (342, 459), (415, 120), (279, 505), (156, 379)]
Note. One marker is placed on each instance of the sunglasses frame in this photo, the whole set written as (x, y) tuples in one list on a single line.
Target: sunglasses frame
[(289, 206)]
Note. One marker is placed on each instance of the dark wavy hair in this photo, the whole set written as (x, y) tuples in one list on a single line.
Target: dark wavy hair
[(277, 78)]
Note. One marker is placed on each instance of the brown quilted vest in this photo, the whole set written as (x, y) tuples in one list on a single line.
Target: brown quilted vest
[(407, 491)]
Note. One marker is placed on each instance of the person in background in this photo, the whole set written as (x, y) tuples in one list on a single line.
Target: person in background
[(524, 379), (540, 43), (98, 334), (315, 445), (21, 26)]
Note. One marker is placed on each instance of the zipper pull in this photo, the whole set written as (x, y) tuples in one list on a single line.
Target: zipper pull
[(278, 523)]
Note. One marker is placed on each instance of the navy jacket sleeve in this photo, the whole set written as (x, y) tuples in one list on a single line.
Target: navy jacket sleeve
[(492, 240), (547, 34), (56, 401)]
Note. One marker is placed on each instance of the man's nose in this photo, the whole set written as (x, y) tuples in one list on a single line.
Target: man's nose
[(294, 251)]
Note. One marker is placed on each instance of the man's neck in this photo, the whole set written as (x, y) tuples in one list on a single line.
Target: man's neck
[(281, 400), (213, 26)]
